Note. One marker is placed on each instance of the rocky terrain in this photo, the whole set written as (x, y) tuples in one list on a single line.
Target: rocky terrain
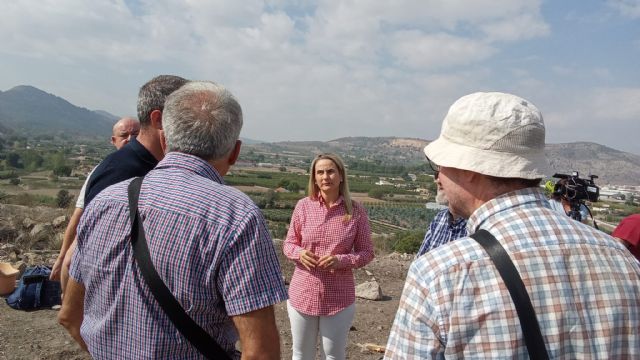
[(30, 236)]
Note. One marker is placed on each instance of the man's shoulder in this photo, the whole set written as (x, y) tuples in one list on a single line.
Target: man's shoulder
[(202, 194), (116, 191), (449, 256)]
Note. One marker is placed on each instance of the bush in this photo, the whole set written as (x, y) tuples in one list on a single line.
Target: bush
[(62, 170), (408, 242), (64, 199), (14, 181)]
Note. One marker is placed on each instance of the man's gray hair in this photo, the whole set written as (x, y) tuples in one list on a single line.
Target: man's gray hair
[(203, 119), (153, 94)]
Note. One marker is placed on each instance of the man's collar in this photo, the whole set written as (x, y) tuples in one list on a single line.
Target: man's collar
[(141, 151), (504, 202), (191, 163)]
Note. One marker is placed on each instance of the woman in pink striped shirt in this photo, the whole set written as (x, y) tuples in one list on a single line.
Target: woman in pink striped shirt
[(329, 235)]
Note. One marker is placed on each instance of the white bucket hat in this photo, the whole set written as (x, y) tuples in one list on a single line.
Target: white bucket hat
[(494, 134)]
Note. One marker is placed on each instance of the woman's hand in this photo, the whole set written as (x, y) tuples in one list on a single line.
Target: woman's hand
[(55, 270), (328, 262), (308, 259)]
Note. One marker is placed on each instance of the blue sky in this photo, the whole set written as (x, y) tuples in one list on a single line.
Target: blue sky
[(319, 70)]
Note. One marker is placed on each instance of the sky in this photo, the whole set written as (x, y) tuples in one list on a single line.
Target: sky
[(321, 70)]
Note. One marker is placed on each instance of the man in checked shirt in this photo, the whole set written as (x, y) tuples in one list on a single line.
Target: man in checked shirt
[(584, 285), (208, 242)]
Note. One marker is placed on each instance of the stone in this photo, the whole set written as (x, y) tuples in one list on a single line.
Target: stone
[(369, 290), (60, 220), (27, 223), (37, 230)]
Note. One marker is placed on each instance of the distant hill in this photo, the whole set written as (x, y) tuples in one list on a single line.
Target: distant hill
[(28, 109), (31, 110), (612, 166)]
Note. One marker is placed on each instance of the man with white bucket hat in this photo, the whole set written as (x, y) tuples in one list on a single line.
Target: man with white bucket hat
[(578, 291)]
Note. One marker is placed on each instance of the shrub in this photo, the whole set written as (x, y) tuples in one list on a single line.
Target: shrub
[(62, 170), (408, 242), (64, 199)]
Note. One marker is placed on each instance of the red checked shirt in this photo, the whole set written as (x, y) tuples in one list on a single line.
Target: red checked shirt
[(320, 292)]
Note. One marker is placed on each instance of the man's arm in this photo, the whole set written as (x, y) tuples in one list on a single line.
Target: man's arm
[(69, 236), (72, 311), (258, 334)]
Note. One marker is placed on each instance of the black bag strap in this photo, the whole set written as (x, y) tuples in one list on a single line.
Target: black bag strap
[(528, 321), (199, 338)]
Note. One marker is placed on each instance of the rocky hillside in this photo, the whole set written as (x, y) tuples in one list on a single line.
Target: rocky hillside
[(611, 165)]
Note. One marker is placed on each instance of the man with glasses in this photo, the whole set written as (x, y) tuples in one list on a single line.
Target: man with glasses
[(584, 286), (445, 226)]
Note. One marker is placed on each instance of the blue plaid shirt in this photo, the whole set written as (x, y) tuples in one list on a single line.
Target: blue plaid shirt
[(208, 242), (583, 284), (443, 228)]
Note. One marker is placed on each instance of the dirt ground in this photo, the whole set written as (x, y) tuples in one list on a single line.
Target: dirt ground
[(37, 335)]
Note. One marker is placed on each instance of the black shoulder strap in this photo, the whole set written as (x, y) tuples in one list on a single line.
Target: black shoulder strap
[(199, 338), (528, 321)]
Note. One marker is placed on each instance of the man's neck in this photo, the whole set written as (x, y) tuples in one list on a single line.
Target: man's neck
[(151, 142)]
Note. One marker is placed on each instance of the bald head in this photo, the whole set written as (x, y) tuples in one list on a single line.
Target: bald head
[(123, 130)]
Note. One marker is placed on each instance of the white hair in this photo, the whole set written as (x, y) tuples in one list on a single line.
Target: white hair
[(203, 119)]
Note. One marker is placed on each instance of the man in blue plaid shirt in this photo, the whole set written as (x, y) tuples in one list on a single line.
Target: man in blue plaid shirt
[(444, 227), (584, 285)]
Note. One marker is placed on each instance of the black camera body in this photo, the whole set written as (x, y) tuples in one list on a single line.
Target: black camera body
[(576, 189)]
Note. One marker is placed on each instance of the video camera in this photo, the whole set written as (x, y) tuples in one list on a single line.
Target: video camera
[(575, 188), (577, 191)]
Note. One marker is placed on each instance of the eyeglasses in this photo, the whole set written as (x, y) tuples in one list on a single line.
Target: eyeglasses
[(434, 167)]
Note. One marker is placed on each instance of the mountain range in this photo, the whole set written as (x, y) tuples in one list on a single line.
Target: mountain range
[(610, 165), (26, 109)]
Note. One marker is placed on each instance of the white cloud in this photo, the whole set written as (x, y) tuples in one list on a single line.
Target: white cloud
[(520, 27), (613, 113), (418, 50), (301, 69), (628, 8)]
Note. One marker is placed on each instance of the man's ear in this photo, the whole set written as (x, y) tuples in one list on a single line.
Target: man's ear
[(113, 140), (235, 153), (156, 119), (469, 176)]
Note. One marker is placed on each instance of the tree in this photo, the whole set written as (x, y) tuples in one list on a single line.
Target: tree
[(63, 199), (270, 198), (376, 193), (630, 200), (32, 160), (283, 183), (14, 160), (293, 186), (62, 170)]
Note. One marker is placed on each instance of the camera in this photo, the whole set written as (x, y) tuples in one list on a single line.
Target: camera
[(576, 189)]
